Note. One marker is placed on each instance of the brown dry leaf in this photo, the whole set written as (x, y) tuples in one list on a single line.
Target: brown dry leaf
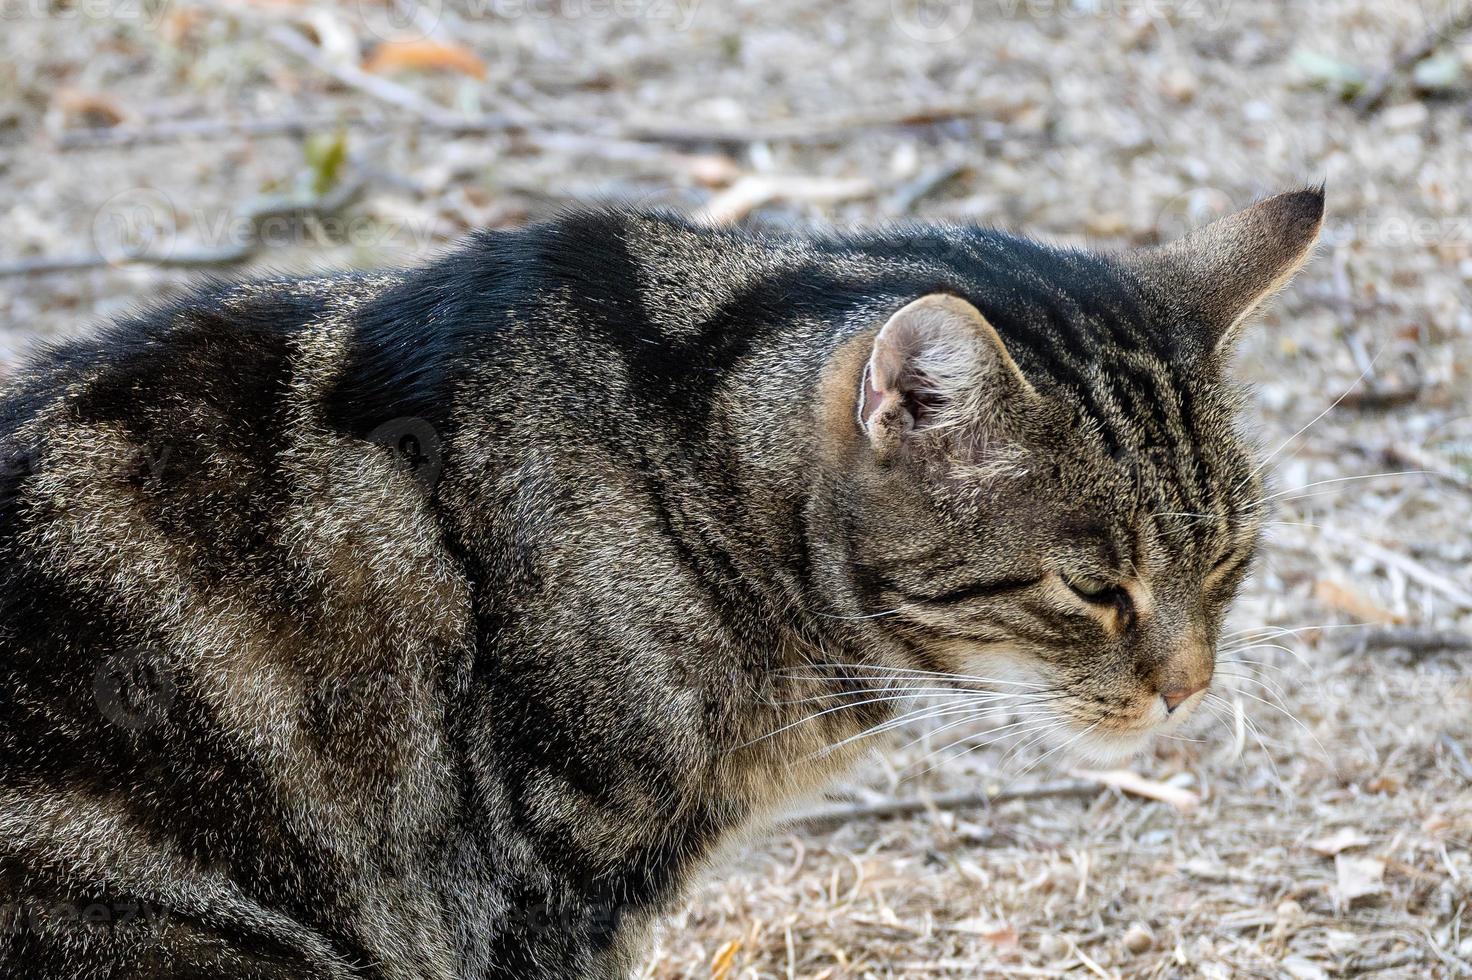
[(724, 959), (1357, 877), (1436, 823), (1137, 785), (179, 25), (754, 190), (1341, 598), (422, 55), (1341, 840), (999, 934), (1384, 784), (94, 108)]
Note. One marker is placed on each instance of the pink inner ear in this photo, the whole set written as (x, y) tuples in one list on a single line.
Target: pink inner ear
[(870, 397)]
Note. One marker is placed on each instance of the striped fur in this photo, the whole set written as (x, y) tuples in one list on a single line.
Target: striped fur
[(446, 623)]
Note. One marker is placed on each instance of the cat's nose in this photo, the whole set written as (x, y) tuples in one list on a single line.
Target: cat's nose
[(1176, 696)]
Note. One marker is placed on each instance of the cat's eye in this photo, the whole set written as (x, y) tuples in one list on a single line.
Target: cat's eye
[(1089, 588), (1101, 592)]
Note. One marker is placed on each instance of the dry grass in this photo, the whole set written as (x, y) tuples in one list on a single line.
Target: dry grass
[(1107, 123)]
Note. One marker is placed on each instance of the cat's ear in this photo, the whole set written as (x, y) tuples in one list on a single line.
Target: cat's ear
[(937, 364), (1220, 273)]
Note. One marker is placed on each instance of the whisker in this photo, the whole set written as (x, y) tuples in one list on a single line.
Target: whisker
[(1312, 422), (900, 696), (1344, 479), (1049, 725), (943, 692), (1072, 741), (1292, 717), (974, 735), (923, 673), (911, 717)]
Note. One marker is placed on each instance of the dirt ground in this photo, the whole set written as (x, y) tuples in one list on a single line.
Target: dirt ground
[(1322, 811)]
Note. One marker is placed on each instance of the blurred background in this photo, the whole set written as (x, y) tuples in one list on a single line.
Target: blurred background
[(1316, 821)]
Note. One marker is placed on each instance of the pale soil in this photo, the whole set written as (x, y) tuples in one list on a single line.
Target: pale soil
[(1107, 123)]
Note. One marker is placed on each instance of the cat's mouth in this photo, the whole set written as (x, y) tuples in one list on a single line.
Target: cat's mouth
[(1115, 738)]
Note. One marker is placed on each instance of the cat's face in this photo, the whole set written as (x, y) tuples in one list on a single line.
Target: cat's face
[(1072, 529), (1091, 582)]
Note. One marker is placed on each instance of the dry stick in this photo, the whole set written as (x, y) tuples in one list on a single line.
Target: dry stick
[(1378, 88), (833, 816), (376, 86), (1413, 640), (1411, 457), (1412, 568), (426, 113), (791, 131), (115, 137), (1390, 961)]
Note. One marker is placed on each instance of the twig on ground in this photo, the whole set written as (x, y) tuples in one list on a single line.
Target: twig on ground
[(168, 131), (1409, 456), (1413, 640), (837, 815), (426, 114), (911, 193), (1372, 96), (1390, 961), (813, 130), (1405, 563)]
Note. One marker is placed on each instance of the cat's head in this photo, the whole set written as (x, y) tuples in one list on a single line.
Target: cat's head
[(1047, 487)]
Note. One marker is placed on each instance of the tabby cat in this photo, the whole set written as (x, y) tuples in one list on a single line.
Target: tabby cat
[(447, 623)]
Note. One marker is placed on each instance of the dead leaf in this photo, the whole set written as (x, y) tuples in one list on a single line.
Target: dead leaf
[(1137, 785), (92, 108), (1341, 840), (754, 190), (424, 54), (999, 934), (1341, 598), (1436, 823), (1357, 877), (1384, 784), (724, 959)]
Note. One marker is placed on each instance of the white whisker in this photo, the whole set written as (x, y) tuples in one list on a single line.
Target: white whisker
[(1312, 422)]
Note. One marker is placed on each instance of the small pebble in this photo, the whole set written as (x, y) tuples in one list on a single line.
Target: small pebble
[(1138, 939), (1053, 947)]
